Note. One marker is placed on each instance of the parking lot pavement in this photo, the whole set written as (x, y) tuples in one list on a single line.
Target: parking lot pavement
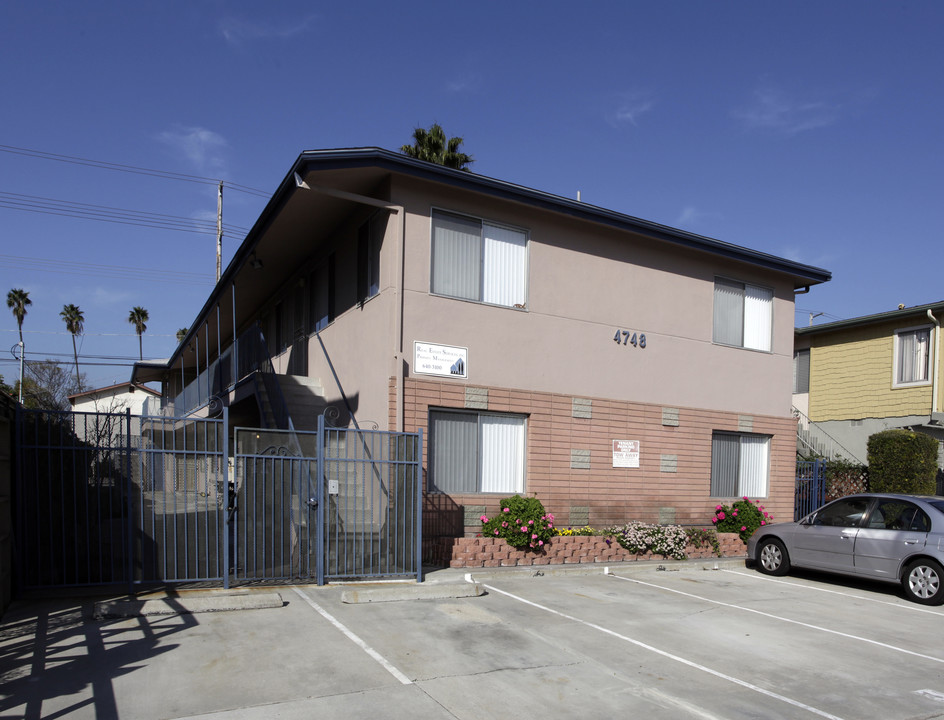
[(680, 642)]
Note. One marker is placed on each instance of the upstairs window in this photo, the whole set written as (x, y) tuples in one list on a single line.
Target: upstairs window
[(801, 371), (369, 241), (743, 315), (321, 311), (912, 356), (476, 260)]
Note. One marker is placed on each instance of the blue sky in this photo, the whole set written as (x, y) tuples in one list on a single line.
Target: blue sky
[(809, 130)]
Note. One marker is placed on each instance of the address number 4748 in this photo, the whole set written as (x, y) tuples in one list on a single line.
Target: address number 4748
[(627, 337)]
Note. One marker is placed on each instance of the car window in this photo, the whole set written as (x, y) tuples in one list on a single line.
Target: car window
[(892, 514), (846, 512)]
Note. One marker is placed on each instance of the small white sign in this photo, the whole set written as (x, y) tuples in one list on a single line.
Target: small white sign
[(442, 360), (626, 453)]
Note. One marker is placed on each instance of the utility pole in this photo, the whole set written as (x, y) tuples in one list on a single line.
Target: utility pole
[(22, 355), (219, 231)]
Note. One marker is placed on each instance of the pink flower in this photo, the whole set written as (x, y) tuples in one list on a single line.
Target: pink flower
[(762, 522), (717, 507), (524, 528), (496, 532), (766, 515), (735, 513), (507, 510), (530, 522), (484, 518), (747, 498), (714, 518), (743, 528), (721, 516), (504, 524), (534, 536), (540, 542)]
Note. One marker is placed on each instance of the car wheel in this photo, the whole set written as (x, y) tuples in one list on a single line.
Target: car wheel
[(923, 581), (772, 557)]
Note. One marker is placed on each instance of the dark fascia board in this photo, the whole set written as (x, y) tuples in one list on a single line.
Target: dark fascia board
[(917, 312), (804, 275), (349, 158)]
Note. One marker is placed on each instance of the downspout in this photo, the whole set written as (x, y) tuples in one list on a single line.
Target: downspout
[(398, 353), (937, 361)]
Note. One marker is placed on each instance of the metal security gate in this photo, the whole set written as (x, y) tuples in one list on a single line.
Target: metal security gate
[(111, 498), (361, 488), (810, 488)]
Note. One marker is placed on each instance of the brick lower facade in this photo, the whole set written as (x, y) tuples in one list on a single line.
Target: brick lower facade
[(569, 449), (477, 552)]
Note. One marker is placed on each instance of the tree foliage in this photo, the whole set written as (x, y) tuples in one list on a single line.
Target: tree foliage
[(432, 146), (47, 386), (138, 317), (902, 461), (18, 300), (75, 323)]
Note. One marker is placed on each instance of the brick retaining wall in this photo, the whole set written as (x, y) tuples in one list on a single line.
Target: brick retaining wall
[(494, 552)]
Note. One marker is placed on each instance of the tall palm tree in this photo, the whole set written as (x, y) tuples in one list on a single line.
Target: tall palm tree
[(431, 145), (75, 324), (18, 300), (137, 317)]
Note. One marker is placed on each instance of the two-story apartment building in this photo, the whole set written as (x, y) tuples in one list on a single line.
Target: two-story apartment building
[(857, 377), (616, 368)]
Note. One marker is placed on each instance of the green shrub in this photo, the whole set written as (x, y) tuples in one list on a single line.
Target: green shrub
[(703, 537), (743, 517), (521, 522), (902, 461)]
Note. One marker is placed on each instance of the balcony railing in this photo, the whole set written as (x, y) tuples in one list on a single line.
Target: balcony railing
[(247, 358)]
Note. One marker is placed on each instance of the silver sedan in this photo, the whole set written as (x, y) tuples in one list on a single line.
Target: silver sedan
[(895, 538)]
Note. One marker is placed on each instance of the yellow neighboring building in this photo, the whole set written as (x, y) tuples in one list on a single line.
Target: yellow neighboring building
[(857, 377)]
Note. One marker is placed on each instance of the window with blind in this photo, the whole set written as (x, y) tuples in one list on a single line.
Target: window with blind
[(473, 452), (477, 260), (743, 315), (801, 371), (912, 356), (739, 465)]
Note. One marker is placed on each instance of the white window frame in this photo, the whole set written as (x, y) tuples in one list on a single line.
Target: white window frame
[(929, 359), (756, 309), (501, 269), (496, 463), (750, 466)]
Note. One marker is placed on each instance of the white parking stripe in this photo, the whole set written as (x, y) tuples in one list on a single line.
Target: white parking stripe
[(909, 606), (820, 628), (670, 656), (387, 665)]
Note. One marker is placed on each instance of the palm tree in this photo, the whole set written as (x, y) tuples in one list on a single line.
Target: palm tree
[(431, 145), (181, 334), (18, 300), (75, 324), (137, 317)]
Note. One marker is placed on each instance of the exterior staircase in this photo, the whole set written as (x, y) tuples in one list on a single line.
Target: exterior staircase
[(304, 400)]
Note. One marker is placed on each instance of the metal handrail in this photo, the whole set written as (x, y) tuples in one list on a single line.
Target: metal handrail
[(820, 432)]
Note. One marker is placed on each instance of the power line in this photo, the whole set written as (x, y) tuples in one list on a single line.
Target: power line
[(107, 271), (105, 165), (35, 203), (65, 208)]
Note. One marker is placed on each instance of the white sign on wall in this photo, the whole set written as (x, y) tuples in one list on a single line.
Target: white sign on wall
[(626, 453), (443, 360)]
